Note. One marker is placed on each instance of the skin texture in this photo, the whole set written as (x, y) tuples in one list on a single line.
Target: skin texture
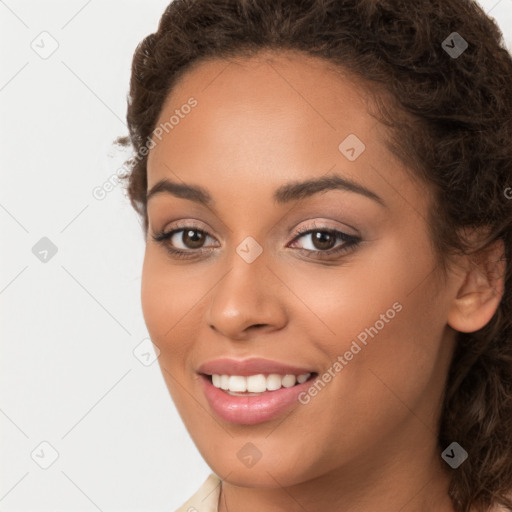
[(367, 441)]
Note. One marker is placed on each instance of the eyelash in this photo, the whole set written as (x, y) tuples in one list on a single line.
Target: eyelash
[(351, 241)]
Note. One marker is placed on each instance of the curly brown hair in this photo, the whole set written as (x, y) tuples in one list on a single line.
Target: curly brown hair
[(450, 120)]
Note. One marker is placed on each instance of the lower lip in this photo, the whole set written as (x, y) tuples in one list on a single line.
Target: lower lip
[(249, 410)]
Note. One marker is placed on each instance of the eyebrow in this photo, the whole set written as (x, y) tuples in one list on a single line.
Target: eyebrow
[(292, 191)]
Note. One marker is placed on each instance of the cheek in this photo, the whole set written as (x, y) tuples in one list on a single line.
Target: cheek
[(386, 317), (167, 298), (166, 290), (355, 295)]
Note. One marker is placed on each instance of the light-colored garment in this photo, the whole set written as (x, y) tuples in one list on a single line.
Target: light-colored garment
[(206, 499)]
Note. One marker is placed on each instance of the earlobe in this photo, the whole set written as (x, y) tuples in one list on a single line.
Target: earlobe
[(481, 289)]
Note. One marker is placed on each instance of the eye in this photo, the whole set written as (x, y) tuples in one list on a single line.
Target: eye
[(188, 238), (184, 241), (324, 241), (189, 241)]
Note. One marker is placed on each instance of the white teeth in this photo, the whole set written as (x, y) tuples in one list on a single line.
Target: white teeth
[(237, 383), (224, 382), (274, 382), (257, 383), (289, 381), (303, 378)]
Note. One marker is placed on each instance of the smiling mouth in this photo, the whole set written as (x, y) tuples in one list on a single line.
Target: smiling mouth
[(258, 384)]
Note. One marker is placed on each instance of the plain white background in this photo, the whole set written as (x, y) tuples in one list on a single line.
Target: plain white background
[(75, 372)]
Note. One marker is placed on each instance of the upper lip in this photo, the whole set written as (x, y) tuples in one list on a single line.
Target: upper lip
[(245, 367)]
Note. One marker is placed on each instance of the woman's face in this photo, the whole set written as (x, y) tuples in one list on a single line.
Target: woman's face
[(307, 254)]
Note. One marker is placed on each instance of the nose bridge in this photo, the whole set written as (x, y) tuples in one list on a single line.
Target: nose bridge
[(248, 294)]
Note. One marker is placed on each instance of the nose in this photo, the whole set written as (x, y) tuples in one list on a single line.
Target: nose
[(248, 300)]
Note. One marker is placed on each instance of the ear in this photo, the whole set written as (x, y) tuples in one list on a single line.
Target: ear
[(481, 290)]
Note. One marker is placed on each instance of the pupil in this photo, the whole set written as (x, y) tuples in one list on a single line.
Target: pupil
[(195, 241), (323, 240)]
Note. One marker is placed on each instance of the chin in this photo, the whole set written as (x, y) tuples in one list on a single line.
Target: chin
[(270, 472)]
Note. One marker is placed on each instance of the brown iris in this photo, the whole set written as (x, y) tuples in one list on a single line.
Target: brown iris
[(193, 238), (323, 240)]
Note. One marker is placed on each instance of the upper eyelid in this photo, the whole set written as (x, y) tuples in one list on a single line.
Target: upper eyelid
[(316, 224)]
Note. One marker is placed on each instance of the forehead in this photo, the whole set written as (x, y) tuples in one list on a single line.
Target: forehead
[(265, 101), (270, 75), (270, 118)]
